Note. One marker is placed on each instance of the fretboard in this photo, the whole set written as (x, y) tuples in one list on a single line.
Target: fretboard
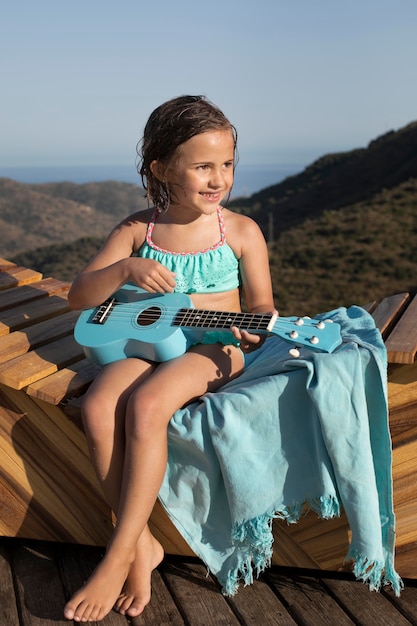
[(199, 318)]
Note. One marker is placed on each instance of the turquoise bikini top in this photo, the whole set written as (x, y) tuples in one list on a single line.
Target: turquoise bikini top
[(213, 270)]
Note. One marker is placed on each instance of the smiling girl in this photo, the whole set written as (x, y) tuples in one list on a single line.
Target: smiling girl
[(187, 242)]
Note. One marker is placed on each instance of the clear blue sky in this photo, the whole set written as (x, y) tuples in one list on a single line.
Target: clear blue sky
[(299, 78)]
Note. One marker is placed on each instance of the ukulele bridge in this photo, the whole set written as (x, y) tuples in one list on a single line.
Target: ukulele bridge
[(103, 311)]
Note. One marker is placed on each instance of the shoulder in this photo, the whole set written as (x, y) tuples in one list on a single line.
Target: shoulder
[(241, 231), (133, 227)]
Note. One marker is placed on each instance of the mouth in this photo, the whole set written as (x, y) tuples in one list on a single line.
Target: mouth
[(212, 197)]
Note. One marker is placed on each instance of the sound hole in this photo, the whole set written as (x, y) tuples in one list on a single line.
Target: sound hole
[(149, 316)]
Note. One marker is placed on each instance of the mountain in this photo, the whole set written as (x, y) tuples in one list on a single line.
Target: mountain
[(341, 232), (33, 216), (336, 181)]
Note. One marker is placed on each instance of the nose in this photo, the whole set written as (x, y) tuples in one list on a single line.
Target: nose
[(217, 179)]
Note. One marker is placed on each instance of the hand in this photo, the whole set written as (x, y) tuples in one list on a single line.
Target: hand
[(249, 341), (151, 275)]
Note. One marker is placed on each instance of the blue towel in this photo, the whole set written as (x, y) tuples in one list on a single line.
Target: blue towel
[(288, 433)]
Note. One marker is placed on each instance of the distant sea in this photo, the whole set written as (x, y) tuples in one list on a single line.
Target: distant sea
[(248, 178)]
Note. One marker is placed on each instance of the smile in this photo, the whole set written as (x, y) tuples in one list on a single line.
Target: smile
[(211, 196)]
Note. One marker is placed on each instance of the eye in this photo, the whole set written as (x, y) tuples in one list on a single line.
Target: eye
[(203, 167), (229, 165)]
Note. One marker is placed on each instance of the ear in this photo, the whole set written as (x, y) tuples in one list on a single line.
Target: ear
[(158, 169)]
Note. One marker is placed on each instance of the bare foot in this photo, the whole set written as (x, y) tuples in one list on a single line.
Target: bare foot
[(136, 592), (96, 598)]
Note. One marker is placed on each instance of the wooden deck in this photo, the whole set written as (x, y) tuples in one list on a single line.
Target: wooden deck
[(36, 579)]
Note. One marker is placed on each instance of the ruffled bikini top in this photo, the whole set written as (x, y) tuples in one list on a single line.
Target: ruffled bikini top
[(213, 270)]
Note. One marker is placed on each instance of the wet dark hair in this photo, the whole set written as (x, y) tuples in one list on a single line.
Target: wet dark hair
[(169, 126)]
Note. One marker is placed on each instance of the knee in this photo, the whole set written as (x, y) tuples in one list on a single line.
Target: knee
[(145, 415), (97, 416)]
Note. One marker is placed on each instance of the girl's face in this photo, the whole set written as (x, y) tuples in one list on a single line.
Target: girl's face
[(202, 173)]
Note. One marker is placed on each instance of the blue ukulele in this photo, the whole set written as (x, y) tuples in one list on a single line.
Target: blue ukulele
[(160, 327)]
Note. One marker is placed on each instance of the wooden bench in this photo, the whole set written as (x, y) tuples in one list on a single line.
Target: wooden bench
[(48, 489)]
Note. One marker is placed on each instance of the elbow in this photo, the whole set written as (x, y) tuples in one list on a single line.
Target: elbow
[(73, 301)]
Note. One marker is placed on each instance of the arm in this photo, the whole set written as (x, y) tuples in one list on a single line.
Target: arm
[(113, 266), (249, 244)]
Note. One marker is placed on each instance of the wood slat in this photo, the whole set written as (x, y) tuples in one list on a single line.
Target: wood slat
[(5, 264), (26, 293), (16, 275), (27, 314), (8, 608), (39, 604), (35, 365), (307, 601), (406, 604), (356, 599), (387, 312), (402, 389), (401, 344), (198, 595), (20, 342), (68, 382), (258, 600)]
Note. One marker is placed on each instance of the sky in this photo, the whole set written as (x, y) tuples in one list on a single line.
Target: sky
[(298, 78)]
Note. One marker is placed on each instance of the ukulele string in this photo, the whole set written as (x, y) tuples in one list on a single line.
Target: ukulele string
[(185, 315)]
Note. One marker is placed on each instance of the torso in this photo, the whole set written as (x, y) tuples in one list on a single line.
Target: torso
[(209, 276)]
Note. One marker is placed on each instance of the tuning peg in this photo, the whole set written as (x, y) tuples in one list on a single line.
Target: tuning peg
[(294, 352)]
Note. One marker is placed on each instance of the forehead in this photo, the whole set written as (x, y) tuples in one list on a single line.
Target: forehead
[(208, 145)]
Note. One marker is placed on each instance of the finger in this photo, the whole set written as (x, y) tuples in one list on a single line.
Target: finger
[(249, 338)]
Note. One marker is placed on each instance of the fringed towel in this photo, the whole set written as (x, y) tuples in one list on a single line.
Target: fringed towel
[(288, 433)]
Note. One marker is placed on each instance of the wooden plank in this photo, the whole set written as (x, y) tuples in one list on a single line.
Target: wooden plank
[(258, 600), (8, 609), (401, 344), (68, 382), (40, 604), (15, 275), (5, 264), (198, 595), (388, 311), (22, 341), (402, 388), (306, 600), (35, 365), (39, 310), (363, 605), (26, 293), (406, 604)]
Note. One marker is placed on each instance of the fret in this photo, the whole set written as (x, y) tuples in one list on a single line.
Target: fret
[(200, 318)]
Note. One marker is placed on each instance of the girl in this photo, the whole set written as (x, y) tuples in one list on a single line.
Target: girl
[(186, 243)]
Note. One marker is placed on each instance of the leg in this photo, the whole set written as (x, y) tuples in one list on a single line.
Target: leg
[(103, 413), (148, 412)]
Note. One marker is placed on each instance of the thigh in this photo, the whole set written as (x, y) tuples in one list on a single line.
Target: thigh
[(116, 382), (203, 368)]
